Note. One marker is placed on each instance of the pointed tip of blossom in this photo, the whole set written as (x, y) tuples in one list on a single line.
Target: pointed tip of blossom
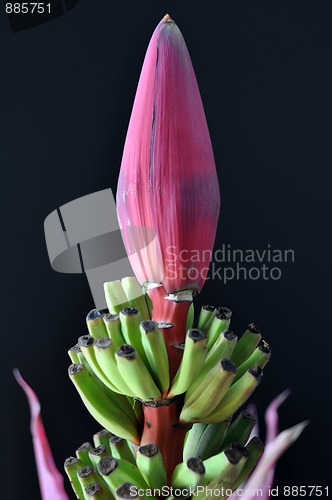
[(32, 398), (167, 18)]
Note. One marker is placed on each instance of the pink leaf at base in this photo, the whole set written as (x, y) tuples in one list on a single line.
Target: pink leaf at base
[(50, 479), (276, 444)]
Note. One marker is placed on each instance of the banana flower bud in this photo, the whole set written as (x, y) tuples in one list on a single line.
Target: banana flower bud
[(168, 194)]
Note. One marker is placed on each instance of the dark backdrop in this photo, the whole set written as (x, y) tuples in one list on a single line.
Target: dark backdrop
[(67, 87)]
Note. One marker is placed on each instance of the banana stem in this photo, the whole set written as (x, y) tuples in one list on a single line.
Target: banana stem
[(162, 428), (172, 318)]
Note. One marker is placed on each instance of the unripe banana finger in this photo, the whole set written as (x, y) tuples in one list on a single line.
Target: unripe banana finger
[(95, 324), (136, 296), (192, 362), (156, 353), (134, 371), (151, 465), (188, 474), (236, 396), (113, 328), (105, 357), (100, 406), (204, 400)]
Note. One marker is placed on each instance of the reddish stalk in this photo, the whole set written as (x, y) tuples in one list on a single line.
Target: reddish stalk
[(175, 314), (161, 427)]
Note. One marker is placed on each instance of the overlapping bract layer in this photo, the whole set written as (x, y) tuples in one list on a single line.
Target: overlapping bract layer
[(168, 181)]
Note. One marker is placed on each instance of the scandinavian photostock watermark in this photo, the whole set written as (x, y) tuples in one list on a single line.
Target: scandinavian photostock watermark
[(228, 263)]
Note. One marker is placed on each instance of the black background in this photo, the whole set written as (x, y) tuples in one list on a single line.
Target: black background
[(67, 87)]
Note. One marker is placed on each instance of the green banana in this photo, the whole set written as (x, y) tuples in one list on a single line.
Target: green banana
[(101, 406), (86, 476), (192, 440), (95, 454), (220, 323), (190, 317), (210, 441), (86, 343), (120, 448), (116, 298), (236, 396), (98, 350), (246, 345), (225, 466), (113, 327), (103, 437), (206, 316), (150, 463), (137, 408), (240, 429), (94, 490), (224, 310), (95, 324), (222, 348), (104, 352), (126, 491), (156, 353), (260, 357), (149, 303), (73, 353), (130, 320), (134, 371), (136, 296), (83, 453), (188, 474), (116, 472), (72, 465), (255, 448), (192, 362), (209, 393)]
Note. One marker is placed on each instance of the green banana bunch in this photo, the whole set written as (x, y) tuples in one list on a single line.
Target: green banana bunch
[(123, 362)]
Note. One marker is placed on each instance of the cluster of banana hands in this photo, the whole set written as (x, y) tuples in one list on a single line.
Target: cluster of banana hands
[(122, 364)]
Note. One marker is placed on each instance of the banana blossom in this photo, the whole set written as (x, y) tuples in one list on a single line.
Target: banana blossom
[(51, 481)]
